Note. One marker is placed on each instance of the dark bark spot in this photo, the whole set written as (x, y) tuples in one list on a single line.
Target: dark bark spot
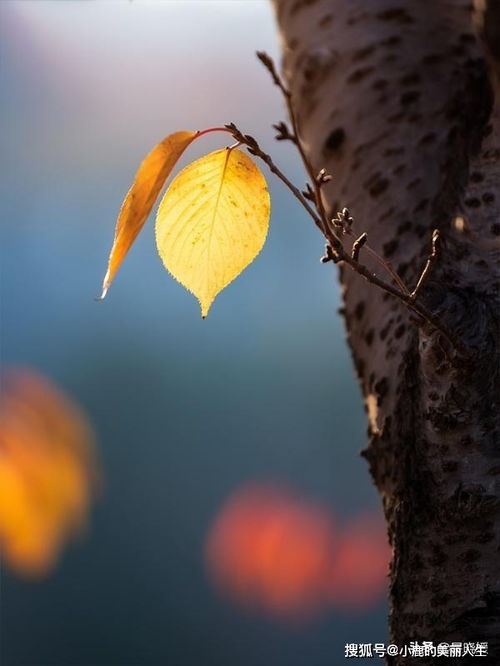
[(473, 202), (399, 169), (309, 74), (476, 177), (410, 79), (409, 97), (325, 21), (360, 367), (488, 198), (449, 466), (421, 206), (390, 247), (359, 310), (369, 337), (441, 420), (369, 144), (381, 388), (383, 333), (413, 183), (379, 84), (359, 74), (432, 59), (386, 214), (363, 53), (495, 229), (335, 140), (402, 270), (398, 333), (393, 40), (354, 19), (378, 186), (404, 227), (301, 4), (393, 151), (428, 138), (398, 15)]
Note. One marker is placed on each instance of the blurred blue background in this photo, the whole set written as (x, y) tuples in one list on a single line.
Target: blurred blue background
[(185, 410)]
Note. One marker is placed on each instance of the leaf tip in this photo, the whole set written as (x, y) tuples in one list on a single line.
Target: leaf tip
[(205, 307), (103, 294)]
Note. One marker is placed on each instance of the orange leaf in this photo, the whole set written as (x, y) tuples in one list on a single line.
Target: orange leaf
[(47, 472), (141, 197)]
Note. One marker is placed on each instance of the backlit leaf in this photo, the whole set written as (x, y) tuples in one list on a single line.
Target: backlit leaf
[(141, 197), (212, 222)]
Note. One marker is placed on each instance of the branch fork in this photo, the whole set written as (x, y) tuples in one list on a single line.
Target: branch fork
[(342, 225)]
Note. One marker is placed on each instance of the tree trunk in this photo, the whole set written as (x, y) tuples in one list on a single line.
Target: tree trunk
[(400, 101)]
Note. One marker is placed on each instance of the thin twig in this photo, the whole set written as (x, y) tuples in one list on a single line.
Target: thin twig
[(388, 267), (321, 178), (335, 250), (209, 130), (269, 64), (431, 260), (416, 307), (283, 133), (344, 222)]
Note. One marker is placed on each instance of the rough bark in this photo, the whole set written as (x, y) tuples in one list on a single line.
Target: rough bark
[(400, 101)]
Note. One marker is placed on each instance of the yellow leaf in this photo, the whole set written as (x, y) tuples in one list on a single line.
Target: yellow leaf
[(141, 197), (212, 222)]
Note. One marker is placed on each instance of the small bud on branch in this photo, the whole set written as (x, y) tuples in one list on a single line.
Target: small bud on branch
[(334, 229), (357, 245)]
